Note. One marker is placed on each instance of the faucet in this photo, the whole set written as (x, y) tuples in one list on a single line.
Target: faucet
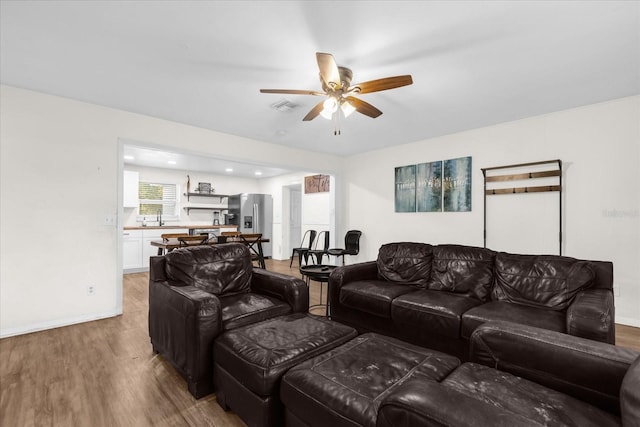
[(159, 218)]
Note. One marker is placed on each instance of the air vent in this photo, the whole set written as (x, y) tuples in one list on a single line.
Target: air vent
[(284, 105)]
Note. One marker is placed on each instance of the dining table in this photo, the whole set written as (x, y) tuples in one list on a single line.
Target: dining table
[(253, 242)]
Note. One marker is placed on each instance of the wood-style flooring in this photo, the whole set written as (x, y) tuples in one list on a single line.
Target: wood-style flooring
[(103, 373)]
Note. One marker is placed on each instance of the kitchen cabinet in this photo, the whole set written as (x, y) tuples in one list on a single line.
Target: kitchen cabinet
[(131, 249), (136, 247), (130, 189)]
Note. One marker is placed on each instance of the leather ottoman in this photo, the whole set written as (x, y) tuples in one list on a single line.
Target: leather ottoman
[(250, 361), (344, 387)]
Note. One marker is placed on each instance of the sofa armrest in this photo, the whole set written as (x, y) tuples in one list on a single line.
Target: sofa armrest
[(589, 370), (183, 322), (286, 288), (591, 315), (351, 273), (420, 402)]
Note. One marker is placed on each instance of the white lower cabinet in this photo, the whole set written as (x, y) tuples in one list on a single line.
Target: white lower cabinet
[(148, 236), (131, 249), (136, 247)]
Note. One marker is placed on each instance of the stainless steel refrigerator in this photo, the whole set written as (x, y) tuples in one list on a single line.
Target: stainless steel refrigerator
[(253, 213)]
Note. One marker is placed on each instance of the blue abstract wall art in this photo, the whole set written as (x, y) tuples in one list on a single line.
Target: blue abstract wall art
[(405, 192), (439, 186), (456, 185)]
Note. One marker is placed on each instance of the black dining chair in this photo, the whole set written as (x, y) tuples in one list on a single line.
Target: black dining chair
[(351, 245), (302, 251), (320, 251)]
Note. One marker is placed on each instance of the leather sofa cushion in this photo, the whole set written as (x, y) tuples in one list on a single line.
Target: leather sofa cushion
[(405, 262), (259, 354), (217, 269), (464, 270), (630, 395), (372, 296), (524, 399), (501, 310), (243, 309), (435, 311), (346, 385), (548, 281)]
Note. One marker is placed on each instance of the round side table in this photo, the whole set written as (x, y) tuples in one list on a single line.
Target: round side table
[(319, 273)]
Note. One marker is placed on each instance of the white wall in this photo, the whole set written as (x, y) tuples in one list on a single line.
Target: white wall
[(59, 174), (59, 181), (600, 147), (317, 209), (223, 184)]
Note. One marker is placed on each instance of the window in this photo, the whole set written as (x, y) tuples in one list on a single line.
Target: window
[(157, 198)]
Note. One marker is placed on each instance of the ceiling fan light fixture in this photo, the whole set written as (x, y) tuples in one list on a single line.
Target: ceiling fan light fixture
[(347, 108), (336, 86), (330, 107)]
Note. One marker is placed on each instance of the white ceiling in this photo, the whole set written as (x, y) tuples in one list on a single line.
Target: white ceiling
[(202, 63), (144, 155)]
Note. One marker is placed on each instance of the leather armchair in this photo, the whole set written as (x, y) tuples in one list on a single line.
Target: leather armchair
[(522, 375), (197, 293)]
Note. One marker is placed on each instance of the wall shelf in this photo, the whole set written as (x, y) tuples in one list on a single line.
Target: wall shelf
[(203, 208), (218, 196), (526, 172)]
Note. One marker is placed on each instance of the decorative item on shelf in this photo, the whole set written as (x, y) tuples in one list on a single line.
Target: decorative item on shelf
[(188, 184), (204, 187), (316, 184)]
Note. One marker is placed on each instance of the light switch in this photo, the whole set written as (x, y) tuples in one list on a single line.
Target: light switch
[(109, 219)]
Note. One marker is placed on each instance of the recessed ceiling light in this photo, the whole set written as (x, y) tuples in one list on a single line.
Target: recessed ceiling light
[(128, 157), (258, 173), (228, 170), (172, 162)]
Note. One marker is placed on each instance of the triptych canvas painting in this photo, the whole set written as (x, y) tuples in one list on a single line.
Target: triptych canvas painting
[(434, 186)]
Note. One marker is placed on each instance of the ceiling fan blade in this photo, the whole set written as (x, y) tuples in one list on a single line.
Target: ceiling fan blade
[(382, 84), (315, 111), (292, 91), (363, 107), (328, 69)]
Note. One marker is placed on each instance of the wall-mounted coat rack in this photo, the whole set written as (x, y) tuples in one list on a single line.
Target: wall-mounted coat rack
[(525, 172)]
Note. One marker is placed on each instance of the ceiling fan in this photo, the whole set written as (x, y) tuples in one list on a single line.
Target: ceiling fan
[(337, 87)]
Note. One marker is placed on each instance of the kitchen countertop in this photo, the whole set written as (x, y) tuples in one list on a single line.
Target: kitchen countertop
[(188, 227)]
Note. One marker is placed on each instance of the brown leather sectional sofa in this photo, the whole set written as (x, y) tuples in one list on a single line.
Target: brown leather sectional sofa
[(426, 304), (436, 296)]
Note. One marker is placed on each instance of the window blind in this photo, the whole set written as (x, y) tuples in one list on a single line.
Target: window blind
[(157, 198)]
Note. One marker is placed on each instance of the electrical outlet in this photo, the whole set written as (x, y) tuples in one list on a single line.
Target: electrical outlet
[(616, 291), (91, 290)]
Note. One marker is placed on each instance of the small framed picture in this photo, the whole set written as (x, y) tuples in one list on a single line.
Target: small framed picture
[(204, 187)]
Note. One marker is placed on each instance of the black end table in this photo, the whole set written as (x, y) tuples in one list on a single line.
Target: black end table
[(319, 273)]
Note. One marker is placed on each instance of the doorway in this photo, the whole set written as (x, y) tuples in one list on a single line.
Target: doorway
[(295, 216)]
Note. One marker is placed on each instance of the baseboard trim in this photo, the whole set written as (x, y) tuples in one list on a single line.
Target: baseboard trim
[(628, 321), (10, 332)]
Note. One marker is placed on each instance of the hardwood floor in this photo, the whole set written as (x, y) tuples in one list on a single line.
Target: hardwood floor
[(103, 373)]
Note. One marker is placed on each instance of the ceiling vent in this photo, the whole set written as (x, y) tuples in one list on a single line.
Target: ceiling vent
[(284, 105)]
